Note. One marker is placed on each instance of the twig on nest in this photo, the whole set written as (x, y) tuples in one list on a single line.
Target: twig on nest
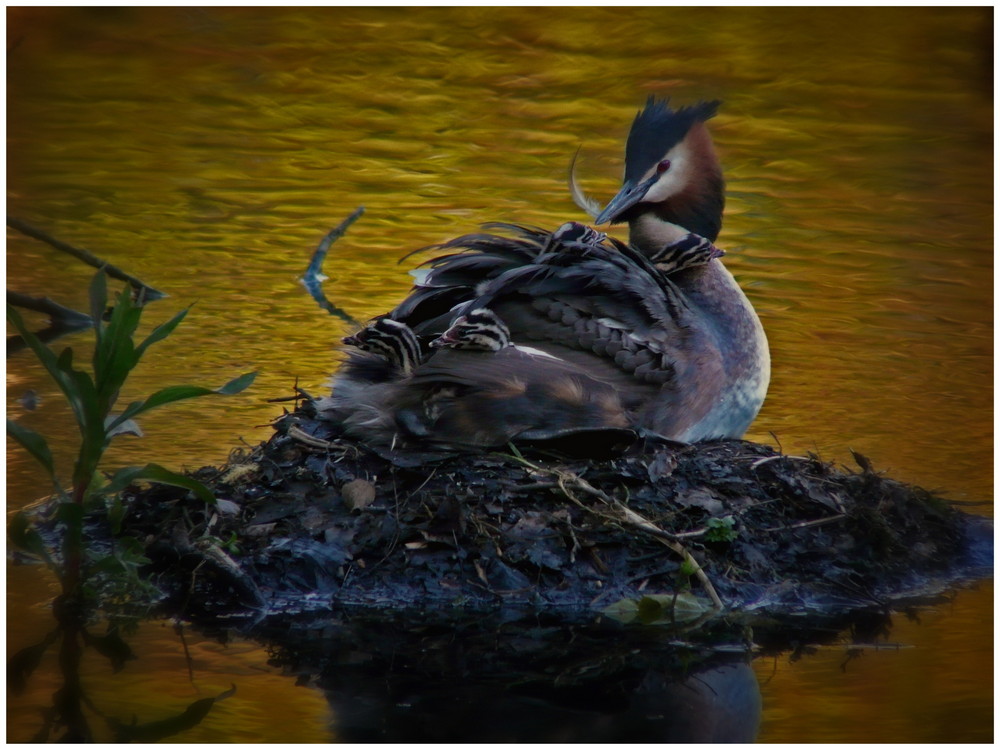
[(297, 433), (622, 514), (760, 461), (805, 524)]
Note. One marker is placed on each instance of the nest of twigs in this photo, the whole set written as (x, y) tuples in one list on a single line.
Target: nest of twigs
[(311, 520)]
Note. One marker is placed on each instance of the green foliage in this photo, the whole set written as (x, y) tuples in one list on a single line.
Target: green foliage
[(25, 538), (110, 578), (34, 443), (659, 609), (721, 529), (92, 396), (156, 473), (229, 545), (686, 570)]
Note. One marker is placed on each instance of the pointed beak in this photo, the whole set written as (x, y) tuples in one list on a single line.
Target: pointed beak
[(630, 194)]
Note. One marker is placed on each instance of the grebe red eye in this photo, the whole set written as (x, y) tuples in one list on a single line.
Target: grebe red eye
[(663, 166)]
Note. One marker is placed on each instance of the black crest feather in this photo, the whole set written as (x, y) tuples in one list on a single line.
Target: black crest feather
[(658, 128)]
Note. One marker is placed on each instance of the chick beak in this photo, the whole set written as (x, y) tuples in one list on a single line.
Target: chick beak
[(631, 193), (448, 338)]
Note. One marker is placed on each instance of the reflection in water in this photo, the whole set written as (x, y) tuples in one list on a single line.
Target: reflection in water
[(424, 679), (73, 714), (208, 150), (715, 704), (519, 682)]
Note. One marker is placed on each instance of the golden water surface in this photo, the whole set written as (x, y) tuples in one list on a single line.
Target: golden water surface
[(207, 151)]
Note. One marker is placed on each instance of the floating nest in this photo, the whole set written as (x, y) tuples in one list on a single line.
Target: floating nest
[(311, 521)]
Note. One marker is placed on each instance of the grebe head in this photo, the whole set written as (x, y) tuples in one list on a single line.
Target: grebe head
[(671, 172), (390, 339), (479, 330)]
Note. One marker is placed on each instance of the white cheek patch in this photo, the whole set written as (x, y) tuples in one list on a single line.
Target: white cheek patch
[(675, 179)]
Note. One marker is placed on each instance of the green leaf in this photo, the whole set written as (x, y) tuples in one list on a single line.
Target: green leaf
[(670, 608), (174, 393), (34, 443), (25, 538), (721, 529), (116, 515), (114, 357), (623, 610), (169, 395), (71, 514), (92, 430), (65, 360), (125, 316), (48, 360), (76, 389), (89, 416), (155, 473), (98, 301), (236, 385), (160, 332), (659, 609), (131, 551)]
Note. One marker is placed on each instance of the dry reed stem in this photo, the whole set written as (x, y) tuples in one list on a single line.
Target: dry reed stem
[(627, 516)]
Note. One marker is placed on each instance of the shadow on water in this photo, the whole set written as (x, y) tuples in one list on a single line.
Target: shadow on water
[(422, 677), (418, 676), (523, 683)]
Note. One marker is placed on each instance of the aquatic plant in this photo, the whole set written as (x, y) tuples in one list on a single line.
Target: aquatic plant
[(90, 575), (92, 397)]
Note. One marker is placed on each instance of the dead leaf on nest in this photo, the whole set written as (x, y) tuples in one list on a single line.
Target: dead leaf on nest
[(358, 494), (701, 499), (227, 507), (863, 461), (259, 529), (662, 465)]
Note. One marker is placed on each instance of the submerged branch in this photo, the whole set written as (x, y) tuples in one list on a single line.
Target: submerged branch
[(87, 257), (313, 278), (54, 310), (63, 319)]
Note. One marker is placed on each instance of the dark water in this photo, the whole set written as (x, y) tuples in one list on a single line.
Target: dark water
[(208, 150)]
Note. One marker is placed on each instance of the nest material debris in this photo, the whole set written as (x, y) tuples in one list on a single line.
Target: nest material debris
[(312, 520)]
